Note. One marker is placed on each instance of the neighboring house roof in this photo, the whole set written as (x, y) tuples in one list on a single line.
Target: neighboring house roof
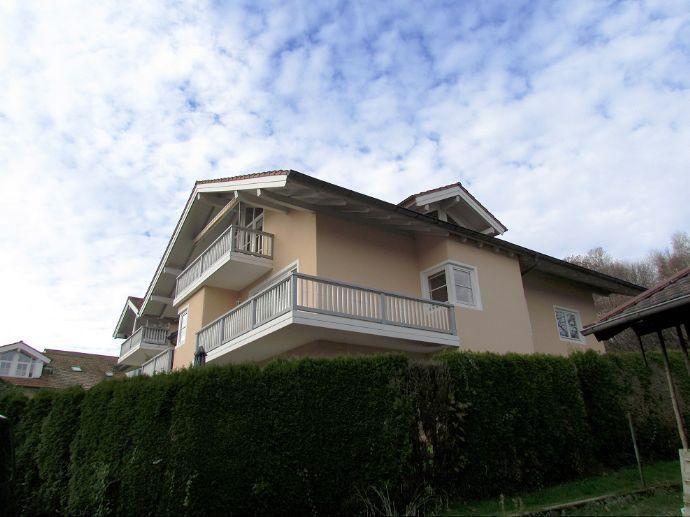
[(59, 374), (672, 293), (292, 188), (20, 345)]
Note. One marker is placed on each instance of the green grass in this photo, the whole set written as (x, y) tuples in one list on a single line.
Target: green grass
[(621, 480), (662, 502)]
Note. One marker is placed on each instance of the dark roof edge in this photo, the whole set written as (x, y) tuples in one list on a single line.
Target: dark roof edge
[(465, 232), (627, 317)]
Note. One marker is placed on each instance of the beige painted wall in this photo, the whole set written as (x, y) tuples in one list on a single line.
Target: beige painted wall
[(295, 240), (542, 293), (204, 306), (502, 324), (366, 255), (332, 349)]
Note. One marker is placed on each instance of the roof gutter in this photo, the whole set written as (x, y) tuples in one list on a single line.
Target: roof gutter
[(463, 232)]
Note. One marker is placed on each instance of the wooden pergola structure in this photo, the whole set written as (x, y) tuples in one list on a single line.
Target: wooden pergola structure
[(664, 307)]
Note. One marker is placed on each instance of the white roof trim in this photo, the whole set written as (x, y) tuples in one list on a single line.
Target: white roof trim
[(20, 345), (454, 190), (276, 181)]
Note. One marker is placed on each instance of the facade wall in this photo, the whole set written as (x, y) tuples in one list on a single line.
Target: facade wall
[(513, 317), (204, 306), (366, 255), (502, 324), (295, 240), (327, 349), (543, 293)]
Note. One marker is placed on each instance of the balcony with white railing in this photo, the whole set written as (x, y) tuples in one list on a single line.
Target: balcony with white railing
[(303, 308), (235, 259), (145, 343), (161, 363)]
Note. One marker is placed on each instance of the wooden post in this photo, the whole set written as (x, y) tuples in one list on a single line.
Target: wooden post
[(637, 452), (644, 356), (684, 348), (672, 391)]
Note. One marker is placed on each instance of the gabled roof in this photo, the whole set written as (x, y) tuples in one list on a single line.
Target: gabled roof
[(458, 191), (668, 294), (59, 373), (289, 188), (129, 313), (20, 345)]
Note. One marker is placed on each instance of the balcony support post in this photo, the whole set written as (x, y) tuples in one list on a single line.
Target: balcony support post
[(293, 290), (382, 307)]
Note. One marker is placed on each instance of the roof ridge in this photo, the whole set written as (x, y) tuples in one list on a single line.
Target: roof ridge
[(649, 292), (73, 352), (276, 172)]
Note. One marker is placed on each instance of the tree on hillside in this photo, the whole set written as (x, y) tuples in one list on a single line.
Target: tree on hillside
[(657, 266)]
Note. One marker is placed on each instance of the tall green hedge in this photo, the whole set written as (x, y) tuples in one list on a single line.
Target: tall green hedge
[(525, 423), (314, 436)]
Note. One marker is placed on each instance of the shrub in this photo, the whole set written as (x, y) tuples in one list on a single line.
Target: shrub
[(525, 424), (336, 436)]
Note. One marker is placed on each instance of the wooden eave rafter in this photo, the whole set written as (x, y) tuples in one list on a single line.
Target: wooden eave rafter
[(215, 220)]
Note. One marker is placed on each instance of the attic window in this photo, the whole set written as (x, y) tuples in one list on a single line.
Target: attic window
[(76, 369)]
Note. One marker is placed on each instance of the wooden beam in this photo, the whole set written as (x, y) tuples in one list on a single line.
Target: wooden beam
[(672, 391), (161, 299), (216, 219), (173, 271), (683, 347), (212, 199), (264, 202), (639, 342)]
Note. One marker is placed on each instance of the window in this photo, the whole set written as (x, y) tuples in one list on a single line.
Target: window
[(6, 362), (76, 368), (182, 329), (15, 363), (454, 282), (438, 288), (568, 324)]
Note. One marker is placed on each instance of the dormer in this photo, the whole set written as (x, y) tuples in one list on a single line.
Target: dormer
[(454, 204), (20, 360)]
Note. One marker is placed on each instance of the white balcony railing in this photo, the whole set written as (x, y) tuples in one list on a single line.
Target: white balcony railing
[(313, 294), (159, 364), (234, 239), (146, 335)]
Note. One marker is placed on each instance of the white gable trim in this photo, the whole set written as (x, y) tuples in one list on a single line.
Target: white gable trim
[(25, 348), (219, 186), (453, 191)]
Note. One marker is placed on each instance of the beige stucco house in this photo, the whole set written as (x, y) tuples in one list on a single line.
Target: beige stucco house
[(282, 264)]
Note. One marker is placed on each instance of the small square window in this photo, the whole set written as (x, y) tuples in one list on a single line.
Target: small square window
[(568, 324), (455, 283), (76, 368)]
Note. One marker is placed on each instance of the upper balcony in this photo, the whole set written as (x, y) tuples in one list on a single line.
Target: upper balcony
[(301, 309), (235, 259), (144, 344)]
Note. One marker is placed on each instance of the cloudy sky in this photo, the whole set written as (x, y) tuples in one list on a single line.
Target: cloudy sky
[(569, 120)]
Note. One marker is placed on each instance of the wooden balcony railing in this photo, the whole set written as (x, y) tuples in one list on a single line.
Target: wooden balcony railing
[(159, 364), (234, 239), (150, 335), (314, 294)]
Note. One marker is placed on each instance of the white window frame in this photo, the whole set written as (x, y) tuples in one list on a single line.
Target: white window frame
[(448, 266), (34, 366), (578, 322), (182, 333)]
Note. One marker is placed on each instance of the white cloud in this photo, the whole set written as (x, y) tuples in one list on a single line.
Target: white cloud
[(569, 120)]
